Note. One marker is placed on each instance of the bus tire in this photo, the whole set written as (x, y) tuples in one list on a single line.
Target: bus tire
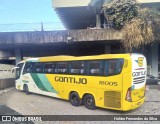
[(26, 89), (75, 99), (89, 102)]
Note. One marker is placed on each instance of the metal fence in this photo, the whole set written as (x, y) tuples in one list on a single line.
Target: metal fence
[(18, 27)]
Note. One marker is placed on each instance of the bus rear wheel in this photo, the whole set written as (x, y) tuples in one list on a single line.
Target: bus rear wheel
[(74, 99), (89, 102)]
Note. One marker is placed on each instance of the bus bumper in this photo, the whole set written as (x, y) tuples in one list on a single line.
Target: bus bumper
[(18, 86), (134, 105)]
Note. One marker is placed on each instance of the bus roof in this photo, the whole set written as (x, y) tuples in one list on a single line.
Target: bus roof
[(71, 58)]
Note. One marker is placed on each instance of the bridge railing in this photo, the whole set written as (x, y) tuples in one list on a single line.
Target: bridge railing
[(43, 26)]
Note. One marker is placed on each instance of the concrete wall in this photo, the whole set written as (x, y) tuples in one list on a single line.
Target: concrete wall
[(11, 39), (70, 3), (5, 71), (6, 83)]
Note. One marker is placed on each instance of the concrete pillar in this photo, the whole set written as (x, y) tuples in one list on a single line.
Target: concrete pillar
[(107, 49), (98, 21), (154, 59), (18, 55)]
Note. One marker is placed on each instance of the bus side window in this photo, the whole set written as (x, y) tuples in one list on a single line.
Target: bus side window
[(38, 67), (120, 64), (106, 68), (95, 67), (28, 68), (77, 67), (61, 67), (113, 67), (49, 68)]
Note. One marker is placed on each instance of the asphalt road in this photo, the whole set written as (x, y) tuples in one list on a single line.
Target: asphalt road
[(35, 104)]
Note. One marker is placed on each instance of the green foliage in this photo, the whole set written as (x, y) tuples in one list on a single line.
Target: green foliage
[(141, 30), (139, 26), (120, 11), (151, 16)]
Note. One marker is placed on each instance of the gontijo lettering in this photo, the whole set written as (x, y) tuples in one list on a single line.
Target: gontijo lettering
[(141, 73), (71, 80)]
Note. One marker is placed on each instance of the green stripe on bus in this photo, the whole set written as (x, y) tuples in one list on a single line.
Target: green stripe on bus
[(38, 82), (46, 83)]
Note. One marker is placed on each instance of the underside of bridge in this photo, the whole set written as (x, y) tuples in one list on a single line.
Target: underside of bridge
[(75, 49), (80, 14), (70, 42)]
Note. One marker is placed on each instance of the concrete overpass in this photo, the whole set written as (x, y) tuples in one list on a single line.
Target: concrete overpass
[(75, 14), (67, 42), (82, 41)]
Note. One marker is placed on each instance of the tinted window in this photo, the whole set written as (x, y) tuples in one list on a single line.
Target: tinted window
[(28, 68), (49, 67), (61, 67), (95, 67), (77, 67), (113, 67), (37, 67)]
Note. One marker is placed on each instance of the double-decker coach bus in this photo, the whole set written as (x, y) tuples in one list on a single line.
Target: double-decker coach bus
[(112, 81)]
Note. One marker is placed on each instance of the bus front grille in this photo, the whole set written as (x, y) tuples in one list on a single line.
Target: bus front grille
[(112, 99), (139, 80)]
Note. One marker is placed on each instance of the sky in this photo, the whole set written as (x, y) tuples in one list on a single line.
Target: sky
[(27, 11)]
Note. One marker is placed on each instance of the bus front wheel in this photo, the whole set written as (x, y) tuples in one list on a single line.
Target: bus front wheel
[(26, 89), (74, 99), (89, 102)]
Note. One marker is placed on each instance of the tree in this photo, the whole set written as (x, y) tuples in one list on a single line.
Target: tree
[(138, 25), (120, 11), (141, 30)]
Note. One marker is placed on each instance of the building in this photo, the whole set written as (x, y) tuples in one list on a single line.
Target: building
[(77, 14), (77, 40)]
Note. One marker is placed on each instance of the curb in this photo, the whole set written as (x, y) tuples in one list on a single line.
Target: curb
[(6, 90)]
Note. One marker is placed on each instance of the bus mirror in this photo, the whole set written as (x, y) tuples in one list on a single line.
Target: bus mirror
[(14, 69)]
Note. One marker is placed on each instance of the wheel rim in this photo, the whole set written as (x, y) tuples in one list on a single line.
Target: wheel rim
[(74, 100), (89, 102)]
